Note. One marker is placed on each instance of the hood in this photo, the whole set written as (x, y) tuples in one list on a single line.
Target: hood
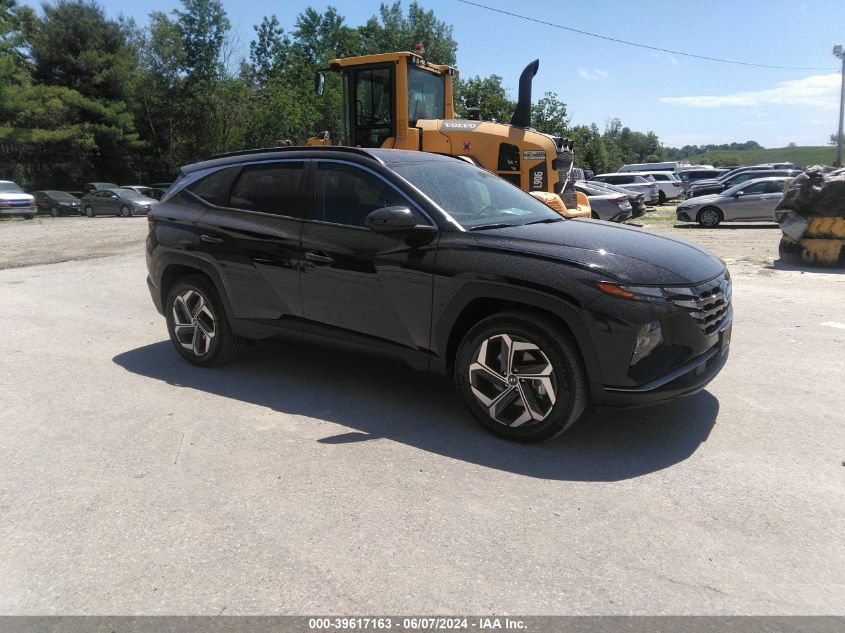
[(623, 253), (16, 197)]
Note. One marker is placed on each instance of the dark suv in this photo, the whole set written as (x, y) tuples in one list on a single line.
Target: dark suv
[(444, 265)]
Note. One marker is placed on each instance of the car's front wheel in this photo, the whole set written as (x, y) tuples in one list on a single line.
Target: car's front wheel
[(197, 323), (709, 217), (521, 376), (125, 211), (54, 212), (89, 211)]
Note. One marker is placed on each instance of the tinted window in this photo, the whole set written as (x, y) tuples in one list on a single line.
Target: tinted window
[(347, 194), (270, 188), (756, 188), (774, 187), (215, 187)]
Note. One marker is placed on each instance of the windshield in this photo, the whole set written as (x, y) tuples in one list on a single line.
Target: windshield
[(9, 187), (60, 195), (425, 95), (475, 198)]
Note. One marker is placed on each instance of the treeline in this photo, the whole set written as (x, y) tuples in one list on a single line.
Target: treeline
[(84, 96)]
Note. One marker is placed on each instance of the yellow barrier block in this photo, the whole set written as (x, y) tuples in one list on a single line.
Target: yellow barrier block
[(828, 253), (826, 227)]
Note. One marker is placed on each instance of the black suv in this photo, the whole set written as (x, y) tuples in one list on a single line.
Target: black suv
[(444, 265)]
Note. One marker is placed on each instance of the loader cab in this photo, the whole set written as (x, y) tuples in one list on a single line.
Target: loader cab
[(385, 95)]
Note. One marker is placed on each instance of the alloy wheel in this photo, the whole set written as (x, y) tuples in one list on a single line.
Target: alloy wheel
[(513, 379), (710, 217), (194, 322)]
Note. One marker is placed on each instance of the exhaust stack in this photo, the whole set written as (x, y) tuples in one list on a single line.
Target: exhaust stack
[(522, 114)]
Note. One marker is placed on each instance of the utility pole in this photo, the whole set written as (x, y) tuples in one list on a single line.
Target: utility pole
[(837, 50)]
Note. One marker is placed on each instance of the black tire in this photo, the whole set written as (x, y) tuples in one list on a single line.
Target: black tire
[(567, 377), (661, 197), (709, 217), (125, 211), (89, 211), (224, 344), (54, 212), (29, 216)]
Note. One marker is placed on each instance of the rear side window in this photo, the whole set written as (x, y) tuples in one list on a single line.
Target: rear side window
[(347, 194), (215, 187), (270, 188)]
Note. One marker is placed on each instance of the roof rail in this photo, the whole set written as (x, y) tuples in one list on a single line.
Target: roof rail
[(288, 148)]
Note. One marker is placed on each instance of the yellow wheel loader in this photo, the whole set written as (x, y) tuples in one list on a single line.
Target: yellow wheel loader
[(401, 101)]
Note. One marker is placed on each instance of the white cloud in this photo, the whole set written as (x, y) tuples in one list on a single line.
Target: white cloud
[(589, 75), (818, 91)]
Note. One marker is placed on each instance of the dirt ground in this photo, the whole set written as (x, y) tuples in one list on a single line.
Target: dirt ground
[(47, 240)]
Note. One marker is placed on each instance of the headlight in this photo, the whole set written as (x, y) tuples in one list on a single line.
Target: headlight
[(631, 292)]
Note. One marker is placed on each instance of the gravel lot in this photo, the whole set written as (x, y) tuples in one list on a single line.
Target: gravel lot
[(300, 480)]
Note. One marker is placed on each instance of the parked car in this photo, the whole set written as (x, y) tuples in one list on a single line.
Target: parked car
[(88, 187), (640, 183), (669, 185), (15, 201), (156, 193), (667, 166), (122, 202), (754, 200), (57, 203), (441, 264), (689, 176), (706, 187), (142, 189), (636, 200), (611, 207)]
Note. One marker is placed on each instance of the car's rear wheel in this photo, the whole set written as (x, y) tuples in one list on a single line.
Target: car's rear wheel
[(125, 211), (709, 217), (521, 376), (89, 212), (661, 197), (197, 323)]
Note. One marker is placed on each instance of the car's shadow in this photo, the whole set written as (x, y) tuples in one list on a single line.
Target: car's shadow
[(729, 225), (381, 399)]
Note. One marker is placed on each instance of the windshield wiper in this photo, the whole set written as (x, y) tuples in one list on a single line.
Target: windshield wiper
[(482, 227), (544, 221)]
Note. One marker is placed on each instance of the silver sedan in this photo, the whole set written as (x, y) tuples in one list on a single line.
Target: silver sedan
[(751, 201), (121, 201)]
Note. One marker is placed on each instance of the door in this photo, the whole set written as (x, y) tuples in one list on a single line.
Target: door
[(250, 233), (355, 279), (748, 205)]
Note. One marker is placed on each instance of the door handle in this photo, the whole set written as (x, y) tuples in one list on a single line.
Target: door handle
[(211, 239), (320, 258)]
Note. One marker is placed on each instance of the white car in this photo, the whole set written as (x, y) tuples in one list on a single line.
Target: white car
[(636, 182), (14, 201), (668, 183)]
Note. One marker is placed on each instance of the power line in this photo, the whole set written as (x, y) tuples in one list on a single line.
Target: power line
[(653, 48)]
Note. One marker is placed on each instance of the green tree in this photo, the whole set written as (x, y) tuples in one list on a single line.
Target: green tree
[(203, 25), (486, 93), (392, 31), (549, 115)]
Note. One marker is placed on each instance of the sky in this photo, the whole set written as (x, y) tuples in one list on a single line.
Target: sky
[(682, 99)]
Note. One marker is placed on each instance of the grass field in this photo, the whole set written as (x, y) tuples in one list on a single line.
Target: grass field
[(801, 156)]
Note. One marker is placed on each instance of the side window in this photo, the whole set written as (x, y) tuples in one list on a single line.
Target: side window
[(270, 188), (774, 187), (756, 188), (215, 187), (347, 194)]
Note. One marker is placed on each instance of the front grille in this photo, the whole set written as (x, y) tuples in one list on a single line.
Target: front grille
[(20, 203), (706, 303)]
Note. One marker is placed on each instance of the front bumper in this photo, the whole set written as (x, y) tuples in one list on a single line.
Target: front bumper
[(19, 210), (684, 215), (685, 380)]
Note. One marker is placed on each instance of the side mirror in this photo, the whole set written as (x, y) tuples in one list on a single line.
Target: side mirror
[(739, 194), (319, 82), (391, 220)]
